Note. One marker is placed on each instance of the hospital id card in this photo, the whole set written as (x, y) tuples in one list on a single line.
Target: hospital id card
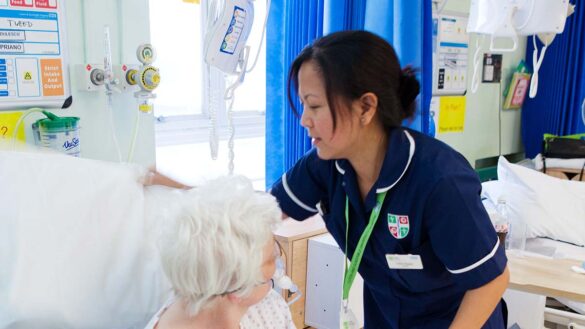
[(404, 262), (347, 319)]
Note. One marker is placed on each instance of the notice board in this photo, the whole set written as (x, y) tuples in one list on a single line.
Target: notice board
[(33, 55)]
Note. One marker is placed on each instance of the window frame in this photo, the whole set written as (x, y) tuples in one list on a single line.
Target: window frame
[(176, 129)]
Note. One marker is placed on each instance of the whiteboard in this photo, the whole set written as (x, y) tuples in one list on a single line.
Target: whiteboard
[(33, 55)]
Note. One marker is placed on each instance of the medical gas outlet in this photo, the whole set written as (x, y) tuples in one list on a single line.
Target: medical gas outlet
[(121, 73), (147, 77), (91, 77)]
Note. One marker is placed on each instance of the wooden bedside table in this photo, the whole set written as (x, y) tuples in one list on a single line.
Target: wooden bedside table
[(293, 236)]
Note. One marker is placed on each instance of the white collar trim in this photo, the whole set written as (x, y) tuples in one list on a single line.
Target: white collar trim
[(341, 171), (410, 155)]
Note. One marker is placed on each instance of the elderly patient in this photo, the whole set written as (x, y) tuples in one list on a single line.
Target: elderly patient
[(219, 255)]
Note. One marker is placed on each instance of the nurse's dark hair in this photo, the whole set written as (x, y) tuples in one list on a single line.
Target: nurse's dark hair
[(352, 63)]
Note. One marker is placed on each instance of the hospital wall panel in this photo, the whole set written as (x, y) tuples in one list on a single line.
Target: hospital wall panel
[(480, 138), (129, 27)]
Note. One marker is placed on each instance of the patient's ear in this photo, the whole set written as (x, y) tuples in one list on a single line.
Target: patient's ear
[(234, 298)]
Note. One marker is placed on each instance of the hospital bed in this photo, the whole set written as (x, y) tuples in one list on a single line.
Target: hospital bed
[(554, 211), (79, 243), (544, 271)]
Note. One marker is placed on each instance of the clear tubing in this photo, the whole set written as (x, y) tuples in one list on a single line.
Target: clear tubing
[(110, 109), (134, 136), (19, 122)]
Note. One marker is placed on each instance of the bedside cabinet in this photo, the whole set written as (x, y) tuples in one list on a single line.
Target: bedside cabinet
[(294, 236)]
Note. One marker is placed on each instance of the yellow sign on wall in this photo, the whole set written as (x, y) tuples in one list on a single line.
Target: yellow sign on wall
[(8, 122), (451, 114)]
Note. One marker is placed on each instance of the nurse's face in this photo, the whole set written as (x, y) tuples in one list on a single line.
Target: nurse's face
[(317, 118)]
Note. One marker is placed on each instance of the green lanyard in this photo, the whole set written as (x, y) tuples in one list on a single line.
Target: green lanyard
[(349, 275)]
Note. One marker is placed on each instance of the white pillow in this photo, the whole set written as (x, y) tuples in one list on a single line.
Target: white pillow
[(522, 204), (551, 207), (77, 244)]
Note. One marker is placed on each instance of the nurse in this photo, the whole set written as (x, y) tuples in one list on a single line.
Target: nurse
[(404, 207)]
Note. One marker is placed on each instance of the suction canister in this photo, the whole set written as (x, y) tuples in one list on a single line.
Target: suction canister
[(58, 133)]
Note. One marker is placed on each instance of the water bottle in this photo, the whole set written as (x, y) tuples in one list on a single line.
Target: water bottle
[(502, 223), (516, 238)]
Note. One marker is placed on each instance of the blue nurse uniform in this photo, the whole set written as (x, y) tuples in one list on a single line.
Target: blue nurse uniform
[(432, 209)]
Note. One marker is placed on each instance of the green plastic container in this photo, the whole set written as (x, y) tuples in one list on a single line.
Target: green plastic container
[(59, 133)]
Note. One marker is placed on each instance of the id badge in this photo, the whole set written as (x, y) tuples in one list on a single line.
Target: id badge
[(404, 262), (347, 319)]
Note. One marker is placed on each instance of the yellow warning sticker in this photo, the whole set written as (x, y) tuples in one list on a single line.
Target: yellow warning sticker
[(8, 124), (452, 114)]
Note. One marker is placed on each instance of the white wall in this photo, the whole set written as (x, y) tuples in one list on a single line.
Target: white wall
[(480, 136), (129, 27)]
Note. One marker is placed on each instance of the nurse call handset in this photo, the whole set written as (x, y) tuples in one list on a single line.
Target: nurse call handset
[(225, 42)]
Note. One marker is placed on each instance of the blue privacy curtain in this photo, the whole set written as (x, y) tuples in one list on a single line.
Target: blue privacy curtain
[(293, 24), (557, 107)]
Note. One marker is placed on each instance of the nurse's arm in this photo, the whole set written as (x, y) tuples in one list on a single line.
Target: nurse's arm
[(478, 304)]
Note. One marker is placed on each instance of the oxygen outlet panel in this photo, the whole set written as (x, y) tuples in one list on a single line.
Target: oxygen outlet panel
[(90, 77), (124, 74)]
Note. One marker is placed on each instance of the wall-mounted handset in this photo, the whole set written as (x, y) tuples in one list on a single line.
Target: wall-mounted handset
[(226, 37)]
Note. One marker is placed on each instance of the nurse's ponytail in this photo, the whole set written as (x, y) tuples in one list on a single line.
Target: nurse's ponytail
[(408, 90)]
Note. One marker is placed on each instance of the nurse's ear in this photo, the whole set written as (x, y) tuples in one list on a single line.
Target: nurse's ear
[(367, 105)]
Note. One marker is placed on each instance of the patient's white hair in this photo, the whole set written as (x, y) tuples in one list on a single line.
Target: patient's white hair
[(215, 244)]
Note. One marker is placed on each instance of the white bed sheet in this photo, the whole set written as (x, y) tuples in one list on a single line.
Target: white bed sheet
[(78, 243), (557, 249)]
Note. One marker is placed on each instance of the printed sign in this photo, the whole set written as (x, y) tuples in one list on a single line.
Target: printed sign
[(33, 65), (52, 77), (452, 114)]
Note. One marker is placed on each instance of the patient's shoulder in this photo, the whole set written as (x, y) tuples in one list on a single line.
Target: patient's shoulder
[(272, 312), (169, 316)]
